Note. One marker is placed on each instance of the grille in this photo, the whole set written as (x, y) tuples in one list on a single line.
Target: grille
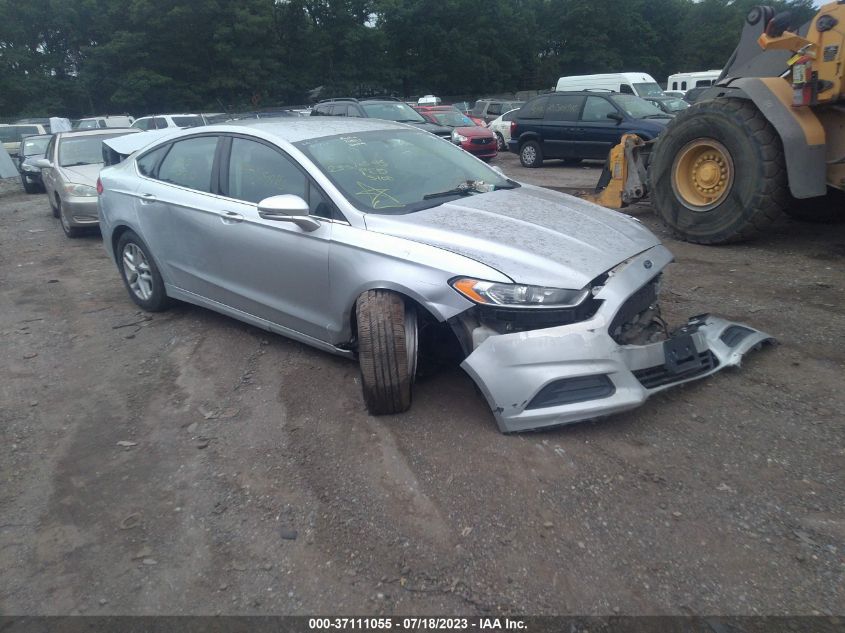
[(481, 141), (658, 376)]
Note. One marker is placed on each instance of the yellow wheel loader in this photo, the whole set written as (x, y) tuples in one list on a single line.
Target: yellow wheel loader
[(768, 138)]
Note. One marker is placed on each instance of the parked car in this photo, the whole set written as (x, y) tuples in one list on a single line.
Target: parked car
[(669, 105), (32, 148), (489, 109), (70, 168), (160, 121), (42, 121), (466, 134), (11, 135), (370, 239), (578, 125), (103, 122), (501, 127), (385, 109)]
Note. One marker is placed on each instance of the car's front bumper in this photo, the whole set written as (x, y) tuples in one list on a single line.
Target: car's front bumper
[(576, 372), (80, 211)]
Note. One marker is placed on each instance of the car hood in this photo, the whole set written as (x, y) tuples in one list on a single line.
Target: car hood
[(83, 174), (474, 131), (439, 130), (532, 235)]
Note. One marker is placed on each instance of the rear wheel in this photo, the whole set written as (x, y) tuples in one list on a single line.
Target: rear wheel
[(140, 273), (387, 350), (530, 154), (717, 173)]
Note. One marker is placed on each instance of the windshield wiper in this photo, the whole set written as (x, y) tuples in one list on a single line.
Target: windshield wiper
[(467, 188)]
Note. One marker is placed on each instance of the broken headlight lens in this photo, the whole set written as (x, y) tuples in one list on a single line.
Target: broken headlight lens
[(518, 295), (81, 191)]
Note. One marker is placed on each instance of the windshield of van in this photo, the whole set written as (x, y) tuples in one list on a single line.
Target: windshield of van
[(394, 111), (648, 90), (637, 108), (400, 171)]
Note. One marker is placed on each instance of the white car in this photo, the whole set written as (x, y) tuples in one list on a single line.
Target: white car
[(501, 128), (105, 121), (161, 121)]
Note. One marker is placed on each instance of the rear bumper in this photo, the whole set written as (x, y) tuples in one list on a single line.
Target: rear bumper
[(577, 372)]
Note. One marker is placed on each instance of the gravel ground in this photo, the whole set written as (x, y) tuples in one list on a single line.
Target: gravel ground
[(186, 463)]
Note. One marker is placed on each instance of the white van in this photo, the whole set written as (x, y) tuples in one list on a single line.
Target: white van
[(639, 84), (681, 82), (96, 122)]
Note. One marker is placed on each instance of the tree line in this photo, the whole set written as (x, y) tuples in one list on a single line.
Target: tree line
[(71, 58)]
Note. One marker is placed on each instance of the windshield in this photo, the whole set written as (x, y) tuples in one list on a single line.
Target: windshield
[(391, 171), (35, 146), (82, 150), (397, 111), (637, 108), (187, 121), (674, 105), (648, 90), (452, 119)]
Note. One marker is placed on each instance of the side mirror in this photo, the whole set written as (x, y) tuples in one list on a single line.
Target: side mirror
[(288, 208), (43, 163), (615, 116)]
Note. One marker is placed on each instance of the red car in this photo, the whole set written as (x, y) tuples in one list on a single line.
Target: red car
[(477, 140)]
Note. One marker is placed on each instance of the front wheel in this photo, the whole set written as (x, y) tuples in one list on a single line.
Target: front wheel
[(530, 154), (70, 231), (500, 142), (140, 273), (717, 173), (387, 350)]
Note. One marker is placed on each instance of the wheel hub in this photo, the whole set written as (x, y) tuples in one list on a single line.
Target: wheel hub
[(702, 174)]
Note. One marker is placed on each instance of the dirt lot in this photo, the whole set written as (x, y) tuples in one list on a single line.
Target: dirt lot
[(184, 462)]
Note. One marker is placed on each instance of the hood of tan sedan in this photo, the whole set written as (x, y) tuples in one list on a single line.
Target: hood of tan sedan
[(83, 174), (532, 235)]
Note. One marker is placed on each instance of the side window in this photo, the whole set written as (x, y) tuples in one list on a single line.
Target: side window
[(674, 85), (625, 89), (189, 162), (508, 116), (147, 163), (683, 85), (102, 123), (534, 109), (339, 109), (495, 109), (160, 123), (353, 111), (597, 109), (142, 124), (564, 108), (703, 83), (319, 204), (257, 171)]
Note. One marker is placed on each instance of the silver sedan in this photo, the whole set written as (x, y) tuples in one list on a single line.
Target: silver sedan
[(380, 242)]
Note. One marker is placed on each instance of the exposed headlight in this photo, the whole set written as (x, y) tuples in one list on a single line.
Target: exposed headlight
[(458, 138), (80, 191), (518, 295)]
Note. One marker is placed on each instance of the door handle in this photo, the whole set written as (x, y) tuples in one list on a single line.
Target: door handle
[(147, 198), (230, 217)]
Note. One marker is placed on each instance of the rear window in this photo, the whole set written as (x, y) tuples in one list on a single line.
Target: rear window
[(187, 121), (534, 109)]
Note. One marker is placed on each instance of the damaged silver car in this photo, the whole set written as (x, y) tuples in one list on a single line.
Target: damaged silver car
[(376, 241)]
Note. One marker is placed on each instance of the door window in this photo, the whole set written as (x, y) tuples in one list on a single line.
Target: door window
[(160, 123), (142, 124), (257, 171), (564, 108), (147, 163), (339, 109), (596, 109), (189, 163)]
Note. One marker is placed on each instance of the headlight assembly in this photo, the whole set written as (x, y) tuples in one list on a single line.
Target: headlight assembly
[(458, 138), (518, 295), (80, 191)]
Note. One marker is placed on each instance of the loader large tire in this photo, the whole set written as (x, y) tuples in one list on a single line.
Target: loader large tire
[(387, 351), (717, 174)]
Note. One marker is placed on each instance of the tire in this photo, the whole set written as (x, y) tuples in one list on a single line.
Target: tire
[(53, 207), (501, 146), (829, 209), (146, 290), (71, 231), (740, 164), (27, 186), (531, 154), (387, 351)]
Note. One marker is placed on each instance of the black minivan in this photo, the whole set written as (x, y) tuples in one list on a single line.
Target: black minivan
[(580, 125)]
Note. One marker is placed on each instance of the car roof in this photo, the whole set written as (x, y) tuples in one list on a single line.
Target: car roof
[(98, 132), (297, 129)]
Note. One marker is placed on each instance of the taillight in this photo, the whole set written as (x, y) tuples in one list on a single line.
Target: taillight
[(99, 187), (513, 129)]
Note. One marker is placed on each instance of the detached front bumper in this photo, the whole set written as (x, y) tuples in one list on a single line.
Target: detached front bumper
[(577, 372)]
